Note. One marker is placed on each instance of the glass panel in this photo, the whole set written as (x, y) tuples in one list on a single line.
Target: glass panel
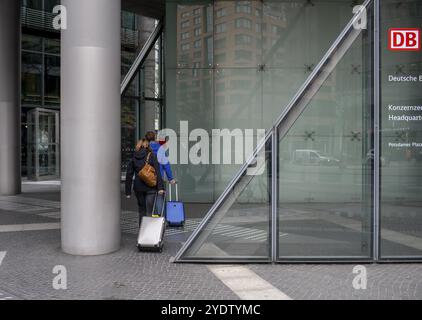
[(237, 34), (31, 78), (401, 137), (52, 46), (189, 34), (325, 175), (237, 107), (151, 73), (296, 35), (50, 4), (31, 144), (33, 4), (47, 144), (279, 89), (240, 226), (31, 43), (52, 80), (43, 144), (189, 96), (238, 94), (129, 123)]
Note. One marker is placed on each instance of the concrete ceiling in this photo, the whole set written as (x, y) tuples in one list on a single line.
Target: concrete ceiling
[(149, 8)]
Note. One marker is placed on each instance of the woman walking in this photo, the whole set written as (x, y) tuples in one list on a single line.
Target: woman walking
[(144, 193)]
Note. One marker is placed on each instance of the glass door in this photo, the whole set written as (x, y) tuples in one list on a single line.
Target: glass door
[(43, 144)]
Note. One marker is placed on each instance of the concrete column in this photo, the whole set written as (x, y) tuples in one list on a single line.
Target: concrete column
[(10, 173), (90, 119)]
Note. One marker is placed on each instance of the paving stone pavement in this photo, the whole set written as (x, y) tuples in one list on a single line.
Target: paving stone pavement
[(27, 270), (6, 296), (334, 282)]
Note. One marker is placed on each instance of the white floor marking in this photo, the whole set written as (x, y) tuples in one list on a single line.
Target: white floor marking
[(246, 284), (29, 227), (2, 256)]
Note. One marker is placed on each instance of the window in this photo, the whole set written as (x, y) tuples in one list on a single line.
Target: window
[(185, 46), (197, 32), (209, 23), (33, 4), (128, 20), (243, 39), (185, 24), (50, 4), (243, 7), (197, 11), (185, 35), (185, 14), (52, 46), (197, 20), (31, 43), (52, 80), (210, 51), (32, 66), (197, 44), (221, 27), (243, 23), (221, 12)]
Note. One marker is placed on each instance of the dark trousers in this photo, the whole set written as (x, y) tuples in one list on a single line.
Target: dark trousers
[(146, 203)]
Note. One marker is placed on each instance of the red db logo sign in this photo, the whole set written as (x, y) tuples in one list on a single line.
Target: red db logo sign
[(405, 39)]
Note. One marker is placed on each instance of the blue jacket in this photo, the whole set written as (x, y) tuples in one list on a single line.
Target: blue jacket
[(162, 160)]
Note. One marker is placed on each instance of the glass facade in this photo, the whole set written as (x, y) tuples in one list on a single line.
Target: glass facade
[(318, 77), (339, 167), (41, 82), (400, 146)]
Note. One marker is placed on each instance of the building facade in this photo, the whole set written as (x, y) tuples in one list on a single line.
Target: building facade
[(40, 125)]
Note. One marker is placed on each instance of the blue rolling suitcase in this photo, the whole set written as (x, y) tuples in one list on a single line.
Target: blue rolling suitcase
[(175, 211)]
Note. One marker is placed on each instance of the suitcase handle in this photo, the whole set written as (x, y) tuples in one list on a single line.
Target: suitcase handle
[(177, 192), (155, 202)]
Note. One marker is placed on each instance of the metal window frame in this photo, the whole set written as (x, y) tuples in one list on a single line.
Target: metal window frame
[(281, 127), (140, 58), (376, 179)]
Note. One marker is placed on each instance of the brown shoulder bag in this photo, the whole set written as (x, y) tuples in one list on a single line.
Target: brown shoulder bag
[(147, 174)]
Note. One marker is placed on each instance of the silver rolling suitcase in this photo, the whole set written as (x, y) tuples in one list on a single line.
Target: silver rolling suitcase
[(151, 233)]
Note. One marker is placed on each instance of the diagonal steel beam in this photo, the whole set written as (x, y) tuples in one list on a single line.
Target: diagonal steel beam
[(283, 124), (140, 59)]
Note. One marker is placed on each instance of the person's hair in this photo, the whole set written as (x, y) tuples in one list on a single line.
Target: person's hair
[(150, 136), (142, 144)]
